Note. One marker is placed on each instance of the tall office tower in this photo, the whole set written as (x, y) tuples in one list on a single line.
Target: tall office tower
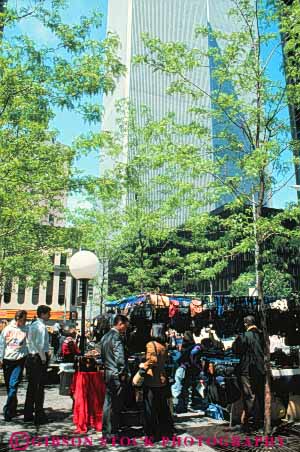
[(169, 20), (295, 110)]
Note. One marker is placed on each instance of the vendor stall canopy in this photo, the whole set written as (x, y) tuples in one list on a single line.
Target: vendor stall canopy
[(197, 304), (158, 300)]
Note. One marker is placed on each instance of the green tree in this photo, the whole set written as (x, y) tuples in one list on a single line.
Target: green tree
[(144, 196), (276, 283), (290, 25), (99, 222), (242, 155), (36, 171)]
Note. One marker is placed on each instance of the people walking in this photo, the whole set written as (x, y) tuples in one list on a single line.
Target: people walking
[(13, 352), (113, 356), (36, 367), (251, 373), (157, 415)]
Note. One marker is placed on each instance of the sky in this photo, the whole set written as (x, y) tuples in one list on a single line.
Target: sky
[(70, 125), (287, 194)]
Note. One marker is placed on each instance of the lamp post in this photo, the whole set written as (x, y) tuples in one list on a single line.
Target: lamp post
[(84, 265)]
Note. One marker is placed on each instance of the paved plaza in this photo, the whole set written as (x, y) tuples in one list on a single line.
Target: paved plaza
[(59, 433)]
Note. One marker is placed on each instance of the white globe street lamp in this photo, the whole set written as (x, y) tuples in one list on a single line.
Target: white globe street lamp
[(83, 266)]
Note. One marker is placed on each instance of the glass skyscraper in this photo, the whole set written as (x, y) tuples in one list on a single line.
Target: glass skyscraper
[(169, 20)]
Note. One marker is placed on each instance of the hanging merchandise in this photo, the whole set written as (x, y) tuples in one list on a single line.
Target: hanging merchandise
[(141, 311), (277, 342), (219, 305), (159, 301), (174, 308), (181, 323), (162, 315), (281, 305)]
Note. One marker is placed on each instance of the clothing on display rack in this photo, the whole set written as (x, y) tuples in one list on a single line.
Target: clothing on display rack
[(174, 308), (159, 301), (161, 315)]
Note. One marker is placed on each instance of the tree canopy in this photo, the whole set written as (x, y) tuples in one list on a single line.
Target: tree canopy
[(36, 170)]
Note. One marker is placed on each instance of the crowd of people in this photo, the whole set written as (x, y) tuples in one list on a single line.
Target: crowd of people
[(157, 416), (23, 345), (27, 346), (192, 377)]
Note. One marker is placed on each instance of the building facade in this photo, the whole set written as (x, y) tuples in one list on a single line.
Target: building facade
[(294, 111), (169, 20), (60, 293)]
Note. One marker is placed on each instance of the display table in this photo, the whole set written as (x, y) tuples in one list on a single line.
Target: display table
[(285, 382), (88, 391), (277, 373)]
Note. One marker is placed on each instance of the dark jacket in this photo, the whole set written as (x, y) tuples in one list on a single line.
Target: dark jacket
[(250, 348), (113, 354)]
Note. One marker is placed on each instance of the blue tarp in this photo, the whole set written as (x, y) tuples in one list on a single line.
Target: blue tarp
[(181, 299), (219, 301), (111, 304), (124, 301), (131, 300), (139, 298)]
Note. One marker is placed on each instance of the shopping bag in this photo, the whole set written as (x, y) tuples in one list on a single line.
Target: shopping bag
[(138, 379)]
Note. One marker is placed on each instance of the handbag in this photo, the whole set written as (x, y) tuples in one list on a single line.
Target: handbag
[(139, 378)]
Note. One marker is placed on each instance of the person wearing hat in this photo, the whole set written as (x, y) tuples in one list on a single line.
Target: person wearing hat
[(251, 372), (157, 415)]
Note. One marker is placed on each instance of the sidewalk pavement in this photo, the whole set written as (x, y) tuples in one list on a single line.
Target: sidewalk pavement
[(59, 411)]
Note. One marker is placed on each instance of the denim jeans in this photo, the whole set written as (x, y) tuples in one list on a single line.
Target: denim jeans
[(13, 371)]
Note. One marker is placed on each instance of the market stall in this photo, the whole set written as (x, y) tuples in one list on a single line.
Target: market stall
[(88, 391), (215, 322)]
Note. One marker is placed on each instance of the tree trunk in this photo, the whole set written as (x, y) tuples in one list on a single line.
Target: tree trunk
[(263, 318), (141, 256), (2, 10), (211, 289), (102, 286)]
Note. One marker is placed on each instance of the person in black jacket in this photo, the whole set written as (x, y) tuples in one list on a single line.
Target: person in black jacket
[(251, 372), (113, 356)]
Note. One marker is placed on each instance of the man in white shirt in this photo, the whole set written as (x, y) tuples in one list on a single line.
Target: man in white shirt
[(36, 366)]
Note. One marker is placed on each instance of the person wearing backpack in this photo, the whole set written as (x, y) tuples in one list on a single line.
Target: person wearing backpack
[(251, 373)]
